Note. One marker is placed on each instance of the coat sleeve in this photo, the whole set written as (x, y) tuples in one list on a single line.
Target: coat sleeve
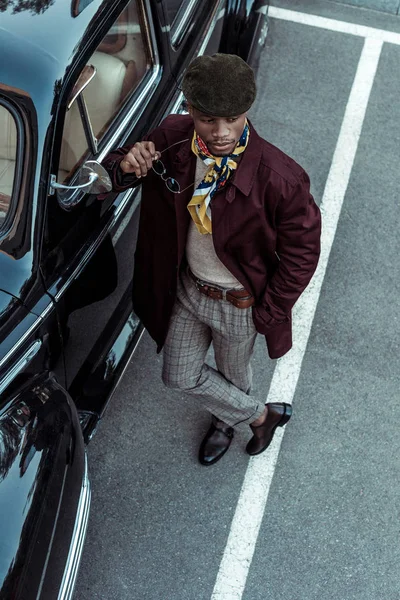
[(122, 181), (298, 223)]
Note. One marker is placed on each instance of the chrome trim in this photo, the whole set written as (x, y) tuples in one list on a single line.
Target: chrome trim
[(219, 12), (146, 91), (19, 365), (28, 332), (179, 33), (59, 186), (124, 369), (177, 104), (75, 90), (43, 315), (127, 218), (122, 204), (21, 340), (52, 536), (77, 541)]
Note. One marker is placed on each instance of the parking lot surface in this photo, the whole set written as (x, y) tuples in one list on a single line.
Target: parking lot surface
[(390, 6), (319, 518)]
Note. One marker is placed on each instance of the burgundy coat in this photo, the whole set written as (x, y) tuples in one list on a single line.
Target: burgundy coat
[(265, 227)]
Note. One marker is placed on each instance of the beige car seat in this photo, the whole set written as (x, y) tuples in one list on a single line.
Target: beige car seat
[(8, 151), (103, 97)]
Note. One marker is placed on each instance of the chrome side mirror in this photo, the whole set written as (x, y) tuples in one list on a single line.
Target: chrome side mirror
[(92, 178)]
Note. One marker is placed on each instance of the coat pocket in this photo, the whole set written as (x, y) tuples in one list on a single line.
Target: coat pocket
[(264, 321)]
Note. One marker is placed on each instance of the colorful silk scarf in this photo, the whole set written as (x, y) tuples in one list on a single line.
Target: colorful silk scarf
[(219, 170)]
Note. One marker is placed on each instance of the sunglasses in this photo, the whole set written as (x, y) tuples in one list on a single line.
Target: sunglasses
[(171, 183)]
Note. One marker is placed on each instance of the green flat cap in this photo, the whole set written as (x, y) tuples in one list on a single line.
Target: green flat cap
[(222, 85)]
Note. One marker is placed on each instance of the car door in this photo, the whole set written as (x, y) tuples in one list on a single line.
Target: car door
[(88, 244)]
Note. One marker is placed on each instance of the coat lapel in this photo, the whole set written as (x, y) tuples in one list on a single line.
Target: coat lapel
[(184, 168), (246, 172)]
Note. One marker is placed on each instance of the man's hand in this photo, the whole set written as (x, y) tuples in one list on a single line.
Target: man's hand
[(139, 159)]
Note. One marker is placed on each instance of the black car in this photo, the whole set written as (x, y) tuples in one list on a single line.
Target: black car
[(77, 78)]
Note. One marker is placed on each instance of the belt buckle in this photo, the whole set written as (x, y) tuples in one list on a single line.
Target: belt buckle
[(199, 285)]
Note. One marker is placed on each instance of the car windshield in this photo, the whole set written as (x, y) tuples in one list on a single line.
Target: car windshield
[(8, 153)]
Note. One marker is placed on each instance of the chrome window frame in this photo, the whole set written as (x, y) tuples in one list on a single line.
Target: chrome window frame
[(181, 21)]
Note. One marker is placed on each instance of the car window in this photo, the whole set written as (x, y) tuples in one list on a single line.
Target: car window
[(121, 61), (8, 154), (178, 6)]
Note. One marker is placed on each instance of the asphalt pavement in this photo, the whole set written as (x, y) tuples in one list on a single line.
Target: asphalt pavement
[(159, 521), (389, 6)]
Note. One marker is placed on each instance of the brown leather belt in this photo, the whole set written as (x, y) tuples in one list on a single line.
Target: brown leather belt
[(239, 298)]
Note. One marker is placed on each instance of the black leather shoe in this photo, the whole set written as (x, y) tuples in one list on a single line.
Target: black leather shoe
[(215, 443), (279, 413)]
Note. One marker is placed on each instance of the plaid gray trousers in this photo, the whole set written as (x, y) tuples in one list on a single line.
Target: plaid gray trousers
[(196, 322)]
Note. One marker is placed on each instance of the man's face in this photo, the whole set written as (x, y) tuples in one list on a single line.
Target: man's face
[(221, 134)]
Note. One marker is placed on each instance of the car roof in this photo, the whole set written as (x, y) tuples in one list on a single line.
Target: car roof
[(40, 42)]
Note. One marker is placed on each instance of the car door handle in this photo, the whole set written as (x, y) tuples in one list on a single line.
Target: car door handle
[(59, 186)]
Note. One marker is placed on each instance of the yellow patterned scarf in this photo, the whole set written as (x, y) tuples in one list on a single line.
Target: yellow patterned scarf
[(219, 170)]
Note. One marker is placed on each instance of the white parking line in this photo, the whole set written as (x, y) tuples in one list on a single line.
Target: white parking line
[(238, 554), (334, 25)]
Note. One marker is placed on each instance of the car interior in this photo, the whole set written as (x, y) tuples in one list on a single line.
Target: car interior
[(8, 151), (121, 61)]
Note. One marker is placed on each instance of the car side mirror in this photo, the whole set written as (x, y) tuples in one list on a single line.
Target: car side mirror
[(92, 178)]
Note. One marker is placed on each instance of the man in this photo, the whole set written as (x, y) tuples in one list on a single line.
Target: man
[(229, 237)]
